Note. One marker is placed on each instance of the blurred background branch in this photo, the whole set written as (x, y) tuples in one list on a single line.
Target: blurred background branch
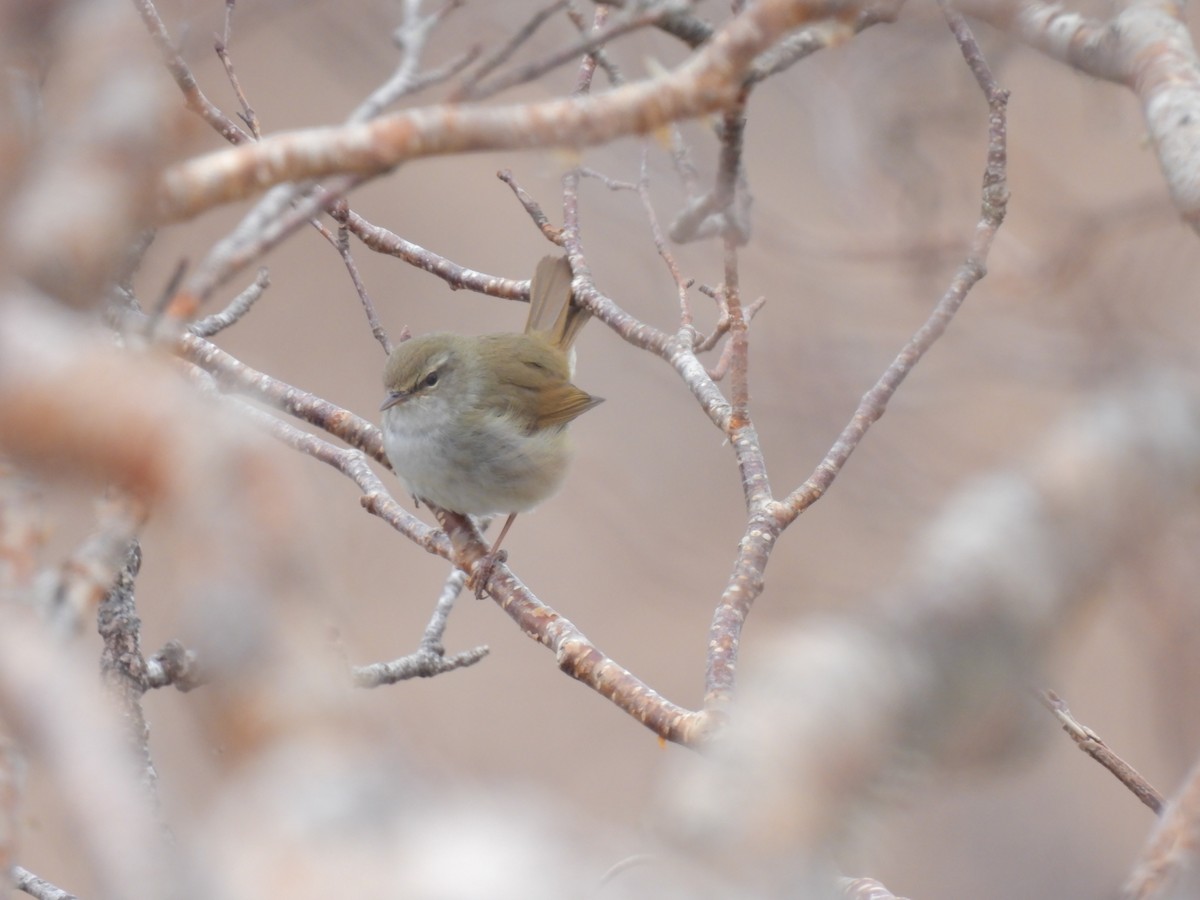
[(799, 156)]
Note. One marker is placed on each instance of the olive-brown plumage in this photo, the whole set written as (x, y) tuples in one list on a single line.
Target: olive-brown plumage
[(477, 424)]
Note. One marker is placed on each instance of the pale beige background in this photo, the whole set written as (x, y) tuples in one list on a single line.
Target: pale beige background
[(865, 163)]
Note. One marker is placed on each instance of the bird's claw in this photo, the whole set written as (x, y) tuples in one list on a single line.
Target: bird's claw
[(485, 569)]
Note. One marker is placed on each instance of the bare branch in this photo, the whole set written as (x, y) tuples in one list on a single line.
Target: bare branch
[(725, 210), (595, 38), (411, 37), (807, 41), (58, 713), (599, 54), (501, 55), (222, 47), (238, 307), (679, 23), (430, 658), (642, 189), (1091, 744), (342, 243), (383, 241), (196, 101), (994, 580), (551, 231), (708, 81), (24, 880), (1147, 47), (995, 202), (575, 653), (232, 374), (376, 499), (272, 221)]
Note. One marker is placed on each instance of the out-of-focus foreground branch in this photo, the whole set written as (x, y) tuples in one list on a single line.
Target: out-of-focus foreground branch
[(935, 675), (1145, 46), (1169, 868)]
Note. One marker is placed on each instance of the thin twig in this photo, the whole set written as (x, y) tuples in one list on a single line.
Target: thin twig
[(642, 189), (342, 243), (1091, 744), (599, 54), (807, 41), (681, 24), (973, 268), (238, 307), (504, 52), (419, 664), (233, 374), (723, 211), (222, 48), (285, 209), (769, 518), (1146, 46), (193, 96), (353, 463), (411, 37), (730, 174), (430, 658), (540, 219), (573, 651), (708, 81), (591, 41), (272, 221), (457, 277), (630, 862)]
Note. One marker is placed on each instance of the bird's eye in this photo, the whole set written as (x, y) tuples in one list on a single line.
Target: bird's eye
[(431, 380)]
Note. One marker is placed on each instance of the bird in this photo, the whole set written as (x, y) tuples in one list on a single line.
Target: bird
[(476, 424)]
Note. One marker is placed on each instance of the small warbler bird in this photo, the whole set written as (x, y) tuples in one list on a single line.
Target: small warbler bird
[(477, 424)]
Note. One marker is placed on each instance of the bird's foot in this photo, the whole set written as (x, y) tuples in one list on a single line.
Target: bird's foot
[(484, 570)]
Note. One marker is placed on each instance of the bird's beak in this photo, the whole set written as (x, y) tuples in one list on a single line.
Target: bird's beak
[(392, 399)]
